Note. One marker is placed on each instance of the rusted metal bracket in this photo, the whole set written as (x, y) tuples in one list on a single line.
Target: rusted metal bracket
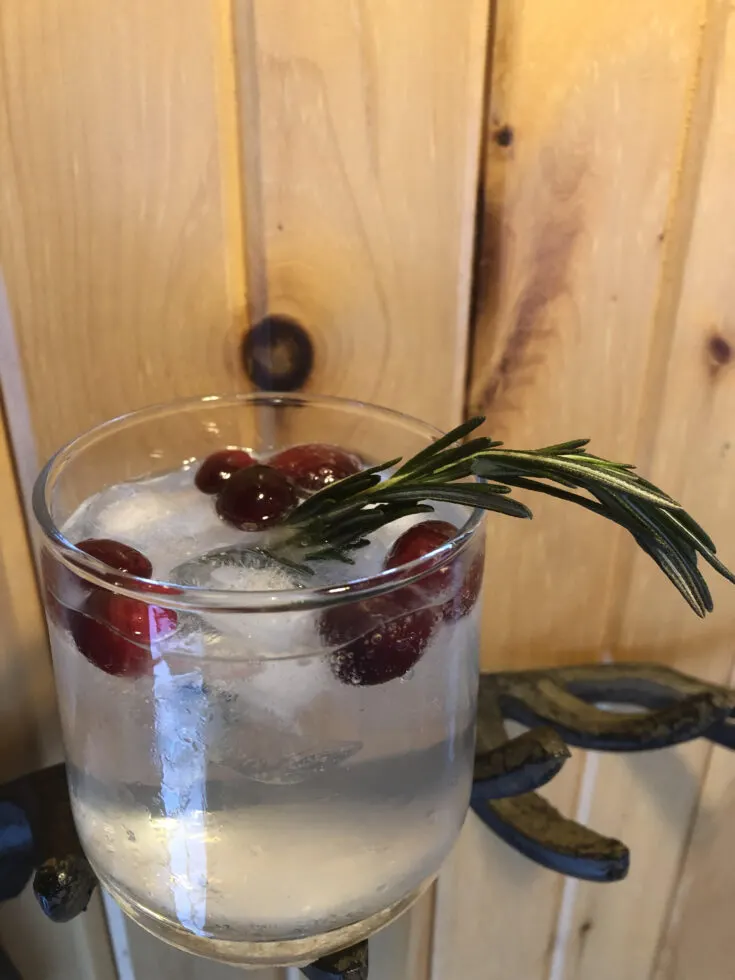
[(38, 840), (566, 701), (561, 707), (349, 964)]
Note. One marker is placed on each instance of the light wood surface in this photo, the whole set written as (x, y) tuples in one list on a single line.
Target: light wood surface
[(575, 214), (29, 735), (496, 911), (189, 165), (43, 950), (371, 254), (116, 235), (172, 171), (122, 260), (660, 806)]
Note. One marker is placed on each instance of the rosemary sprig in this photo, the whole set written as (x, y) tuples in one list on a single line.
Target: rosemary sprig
[(481, 473)]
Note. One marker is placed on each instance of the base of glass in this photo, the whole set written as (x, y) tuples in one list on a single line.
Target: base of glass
[(256, 954)]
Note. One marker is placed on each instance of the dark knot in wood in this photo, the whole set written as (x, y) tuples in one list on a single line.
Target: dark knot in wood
[(719, 352), (504, 136), (278, 354)]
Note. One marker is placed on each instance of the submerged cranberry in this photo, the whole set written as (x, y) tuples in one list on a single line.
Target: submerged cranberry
[(115, 633), (117, 555), (463, 601), (420, 540), (379, 639), (313, 466), (64, 590), (217, 469), (256, 498)]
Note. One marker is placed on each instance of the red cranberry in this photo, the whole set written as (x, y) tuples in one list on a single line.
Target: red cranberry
[(117, 555), (420, 540), (256, 498), (315, 465), (64, 590), (463, 601), (380, 639), (217, 469), (115, 633)]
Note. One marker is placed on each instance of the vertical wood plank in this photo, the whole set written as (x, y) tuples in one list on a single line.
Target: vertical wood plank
[(584, 142), (698, 940), (121, 246), (584, 145), (42, 949), (363, 181), (118, 218), (655, 803), (367, 151), (361, 127), (29, 735), (496, 911)]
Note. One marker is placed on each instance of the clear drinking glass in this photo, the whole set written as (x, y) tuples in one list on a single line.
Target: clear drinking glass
[(240, 796)]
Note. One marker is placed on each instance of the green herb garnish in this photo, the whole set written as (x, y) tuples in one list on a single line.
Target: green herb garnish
[(339, 519)]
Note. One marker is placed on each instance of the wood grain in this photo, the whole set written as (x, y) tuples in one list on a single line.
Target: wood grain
[(655, 803), (117, 236), (141, 189), (496, 911), (575, 211), (44, 950), (362, 185), (29, 734), (584, 144), (121, 247), (361, 127), (698, 940)]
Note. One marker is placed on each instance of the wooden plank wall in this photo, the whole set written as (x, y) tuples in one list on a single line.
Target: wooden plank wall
[(604, 307), (172, 171)]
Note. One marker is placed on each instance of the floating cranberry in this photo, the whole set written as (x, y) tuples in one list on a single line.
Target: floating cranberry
[(379, 639), (315, 465), (115, 633), (217, 469), (117, 555), (256, 498), (420, 540)]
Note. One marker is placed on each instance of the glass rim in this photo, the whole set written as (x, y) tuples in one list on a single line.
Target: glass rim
[(185, 597)]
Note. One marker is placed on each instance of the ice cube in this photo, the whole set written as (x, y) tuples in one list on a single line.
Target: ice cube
[(297, 766), (240, 568), (258, 635), (166, 518)]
